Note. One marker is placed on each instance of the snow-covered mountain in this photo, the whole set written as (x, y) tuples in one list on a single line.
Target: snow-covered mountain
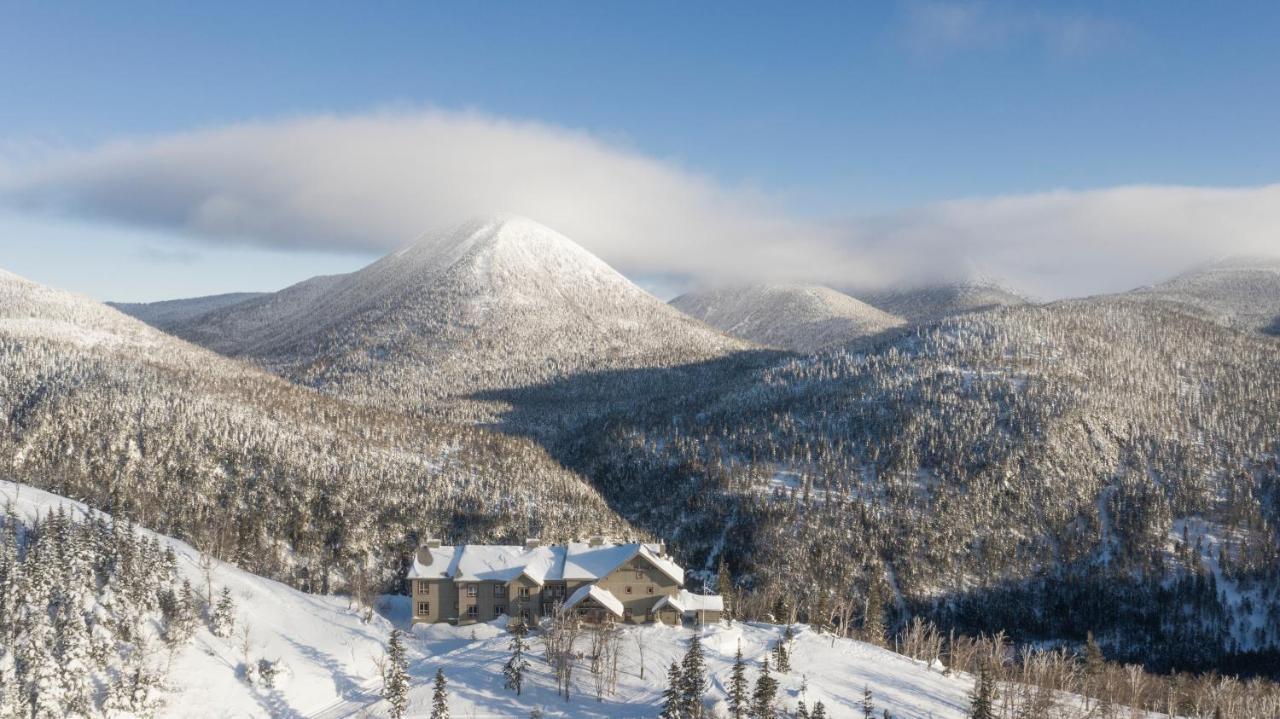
[(932, 302), (298, 484), (802, 318), (1242, 292), (495, 303), (167, 313)]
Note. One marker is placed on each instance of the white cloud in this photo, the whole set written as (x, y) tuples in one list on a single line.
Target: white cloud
[(370, 183), (375, 182)]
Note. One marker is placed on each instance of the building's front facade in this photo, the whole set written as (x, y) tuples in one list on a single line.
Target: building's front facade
[(597, 579)]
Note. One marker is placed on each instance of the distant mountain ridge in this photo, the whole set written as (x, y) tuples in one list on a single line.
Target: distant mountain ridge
[(495, 303), (166, 314), (798, 317), (1240, 291), (933, 302)]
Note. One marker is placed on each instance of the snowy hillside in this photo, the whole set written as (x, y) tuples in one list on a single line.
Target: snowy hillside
[(932, 302), (165, 314), (802, 318), (1242, 292), (325, 652), (495, 303)]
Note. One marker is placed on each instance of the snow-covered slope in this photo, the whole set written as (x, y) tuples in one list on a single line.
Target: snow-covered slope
[(496, 303), (1241, 292), (324, 647), (932, 302), (802, 318), (167, 313), (327, 652)]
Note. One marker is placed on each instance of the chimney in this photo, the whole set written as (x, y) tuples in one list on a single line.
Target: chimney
[(596, 541), (532, 543), (424, 551), (662, 548)]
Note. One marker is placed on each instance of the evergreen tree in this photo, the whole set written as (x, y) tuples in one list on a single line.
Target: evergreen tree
[(868, 706), (395, 676), (440, 697), (517, 664), (873, 620), (802, 712), (672, 697), (765, 692), (223, 621), (693, 678), (983, 699), (739, 701), (819, 711), (724, 586)]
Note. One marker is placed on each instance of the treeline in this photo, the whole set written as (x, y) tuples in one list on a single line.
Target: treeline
[(283, 481)]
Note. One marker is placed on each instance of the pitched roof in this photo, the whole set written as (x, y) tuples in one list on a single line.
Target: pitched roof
[(574, 561), (602, 596), (686, 601)]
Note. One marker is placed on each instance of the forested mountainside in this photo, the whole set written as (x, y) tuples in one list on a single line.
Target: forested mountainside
[(933, 302), (1095, 465), (169, 313), (495, 303), (285, 481), (1242, 292), (801, 318)]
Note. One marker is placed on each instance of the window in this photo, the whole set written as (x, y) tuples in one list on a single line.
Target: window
[(499, 609), (424, 587), (628, 589), (640, 574), (499, 591), (651, 589), (455, 605), (523, 592), (471, 590), (626, 615), (524, 614), (424, 608), (473, 611)]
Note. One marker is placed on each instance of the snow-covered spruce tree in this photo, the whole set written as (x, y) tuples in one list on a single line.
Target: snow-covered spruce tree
[(693, 679), (739, 692), (516, 665), (395, 676), (766, 691), (802, 711), (672, 699), (222, 622), (819, 711), (868, 704), (439, 697)]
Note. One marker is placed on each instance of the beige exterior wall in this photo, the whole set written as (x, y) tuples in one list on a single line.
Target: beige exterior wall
[(646, 583), (436, 596)]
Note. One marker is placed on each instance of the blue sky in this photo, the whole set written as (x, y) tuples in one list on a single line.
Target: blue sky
[(831, 111)]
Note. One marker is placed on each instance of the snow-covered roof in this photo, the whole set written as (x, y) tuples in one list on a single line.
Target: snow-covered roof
[(686, 601), (575, 561), (603, 596)]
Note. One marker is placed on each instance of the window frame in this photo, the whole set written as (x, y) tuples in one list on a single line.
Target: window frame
[(424, 608)]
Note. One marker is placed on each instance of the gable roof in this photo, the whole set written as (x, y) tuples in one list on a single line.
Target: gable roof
[(574, 561), (602, 596)]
